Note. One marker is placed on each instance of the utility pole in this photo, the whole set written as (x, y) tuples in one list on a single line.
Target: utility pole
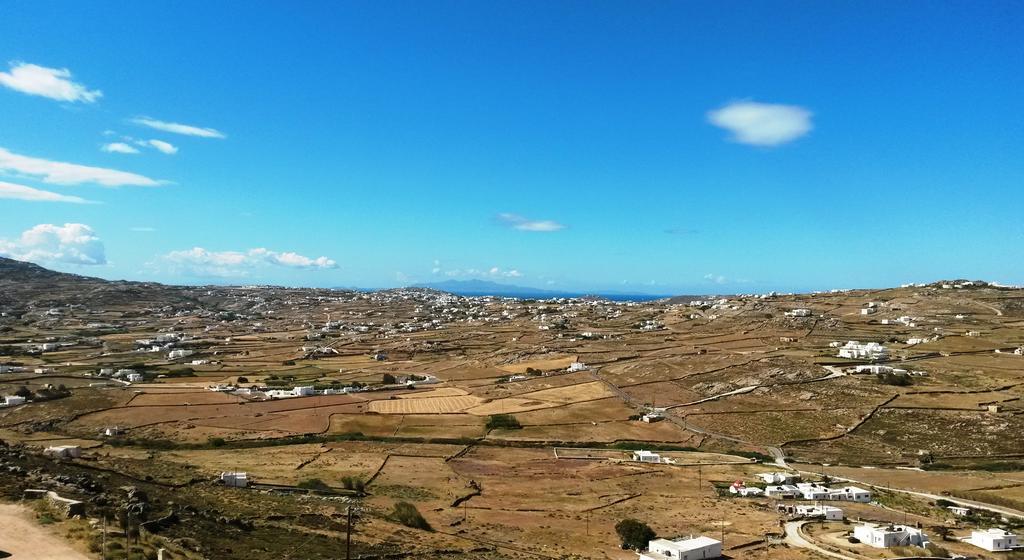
[(588, 522), (700, 477), (103, 547), (348, 535)]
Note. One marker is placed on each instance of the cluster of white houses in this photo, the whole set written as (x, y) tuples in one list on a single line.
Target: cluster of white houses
[(889, 536), (783, 485), (855, 350)]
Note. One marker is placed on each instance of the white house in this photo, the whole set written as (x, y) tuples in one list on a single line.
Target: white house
[(646, 456), (888, 536), (782, 491), (959, 511), (63, 451), (994, 540), (850, 494), (814, 491), (799, 313), (778, 477), (692, 548), (828, 513), (303, 391), (135, 378), (868, 311), (576, 366), (13, 400), (234, 479), (177, 354), (739, 488)]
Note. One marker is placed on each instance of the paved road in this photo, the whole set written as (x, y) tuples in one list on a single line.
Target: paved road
[(794, 537)]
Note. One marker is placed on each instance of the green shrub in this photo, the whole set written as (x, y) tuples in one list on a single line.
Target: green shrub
[(313, 484), (503, 422), (407, 514)]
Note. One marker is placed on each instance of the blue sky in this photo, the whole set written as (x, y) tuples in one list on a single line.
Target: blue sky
[(688, 147)]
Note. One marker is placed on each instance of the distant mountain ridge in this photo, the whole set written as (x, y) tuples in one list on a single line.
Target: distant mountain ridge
[(487, 288)]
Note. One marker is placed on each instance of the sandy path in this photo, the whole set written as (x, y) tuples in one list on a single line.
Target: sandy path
[(24, 539)]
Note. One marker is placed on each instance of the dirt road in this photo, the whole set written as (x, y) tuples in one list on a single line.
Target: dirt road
[(25, 539)]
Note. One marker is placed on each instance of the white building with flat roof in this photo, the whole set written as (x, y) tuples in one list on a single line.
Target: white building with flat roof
[(692, 548), (828, 513), (888, 536), (778, 477), (235, 479), (850, 494), (994, 540), (644, 456)]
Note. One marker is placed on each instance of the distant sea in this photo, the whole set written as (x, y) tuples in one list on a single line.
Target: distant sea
[(555, 295)]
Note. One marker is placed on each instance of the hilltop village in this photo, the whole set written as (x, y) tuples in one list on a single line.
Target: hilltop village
[(269, 422)]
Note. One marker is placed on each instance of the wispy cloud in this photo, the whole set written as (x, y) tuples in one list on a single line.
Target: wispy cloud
[(762, 124), (198, 261), (21, 192), (177, 128), (716, 278), (515, 221), (53, 83), (165, 147), (46, 243), (119, 148), (493, 272), (60, 173)]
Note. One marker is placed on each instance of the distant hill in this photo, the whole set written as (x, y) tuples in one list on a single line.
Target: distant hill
[(24, 283), (487, 288)]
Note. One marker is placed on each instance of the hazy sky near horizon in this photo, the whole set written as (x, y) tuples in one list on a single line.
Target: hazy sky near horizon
[(658, 147)]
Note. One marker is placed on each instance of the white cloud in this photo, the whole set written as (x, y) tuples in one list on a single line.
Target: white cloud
[(762, 124), (493, 272), (164, 147), (70, 243), (176, 128), (716, 278), (119, 148), (198, 261), (60, 173), (521, 223), (54, 83), (21, 192)]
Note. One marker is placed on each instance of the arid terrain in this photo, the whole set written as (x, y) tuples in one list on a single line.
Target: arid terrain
[(508, 424)]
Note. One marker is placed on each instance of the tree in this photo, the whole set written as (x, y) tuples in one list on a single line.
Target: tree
[(23, 392), (243, 380), (634, 534), (388, 379)]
